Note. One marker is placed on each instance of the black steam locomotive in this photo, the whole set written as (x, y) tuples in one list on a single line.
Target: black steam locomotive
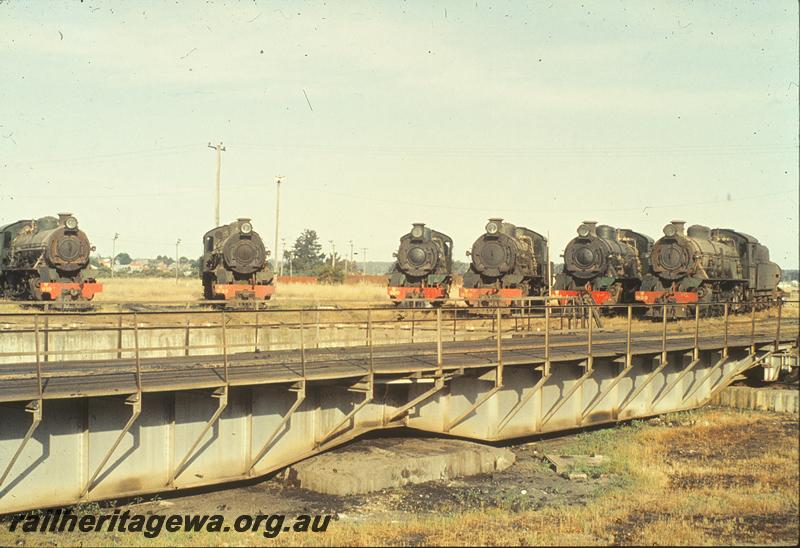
[(44, 260), (234, 263), (423, 271), (508, 263), (709, 266), (605, 263)]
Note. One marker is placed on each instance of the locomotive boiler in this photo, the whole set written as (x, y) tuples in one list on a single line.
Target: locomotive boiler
[(706, 266), (45, 259), (234, 263), (508, 262), (605, 263), (423, 271)]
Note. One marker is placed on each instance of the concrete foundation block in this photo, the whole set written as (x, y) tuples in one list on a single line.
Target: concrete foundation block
[(372, 465)]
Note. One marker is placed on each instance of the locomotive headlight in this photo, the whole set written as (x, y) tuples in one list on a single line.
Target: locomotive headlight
[(416, 232), (670, 231), (583, 231), (71, 223), (246, 228), (492, 228)]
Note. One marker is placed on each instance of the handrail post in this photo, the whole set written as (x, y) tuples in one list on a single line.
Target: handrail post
[(255, 333), (224, 346), (38, 358), (628, 354), (317, 319), (46, 353), (664, 334), (438, 338), (778, 329), (725, 349), (753, 327), (696, 332), (546, 337), (302, 346), (119, 336), (499, 378), (186, 337), (369, 340), (136, 350), (590, 356)]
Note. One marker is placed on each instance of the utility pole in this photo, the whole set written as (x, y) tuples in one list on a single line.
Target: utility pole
[(333, 253), (278, 181), (177, 259), (291, 263), (220, 149), (114, 252), (349, 260), (283, 246), (364, 258)]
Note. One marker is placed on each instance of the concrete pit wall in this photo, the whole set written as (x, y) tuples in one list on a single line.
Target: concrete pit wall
[(205, 340)]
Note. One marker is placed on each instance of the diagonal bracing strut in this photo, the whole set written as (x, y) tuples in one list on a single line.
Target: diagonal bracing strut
[(222, 395), (135, 401), (301, 396), (35, 409)]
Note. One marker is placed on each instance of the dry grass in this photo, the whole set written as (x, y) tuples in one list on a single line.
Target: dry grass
[(191, 289), (713, 477), (150, 289)]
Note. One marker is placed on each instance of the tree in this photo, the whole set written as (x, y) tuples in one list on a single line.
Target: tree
[(460, 267), (123, 259), (330, 275), (307, 253)]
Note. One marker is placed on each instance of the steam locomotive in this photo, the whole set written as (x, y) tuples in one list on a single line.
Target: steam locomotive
[(234, 263), (709, 266), (508, 262), (424, 267), (44, 260), (605, 263)]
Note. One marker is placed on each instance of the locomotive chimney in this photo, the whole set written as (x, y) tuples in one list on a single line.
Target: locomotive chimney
[(497, 220), (592, 225), (679, 226)]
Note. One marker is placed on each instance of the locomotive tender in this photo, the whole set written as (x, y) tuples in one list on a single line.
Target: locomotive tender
[(234, 263), (424, 267), (44, 260), (605, 263), (709, 266), (508, 262)]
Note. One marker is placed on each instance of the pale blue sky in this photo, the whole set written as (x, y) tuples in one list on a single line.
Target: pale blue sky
[(545, 113)]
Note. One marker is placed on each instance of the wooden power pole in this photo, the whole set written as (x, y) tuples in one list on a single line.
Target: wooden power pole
[(220, 149)]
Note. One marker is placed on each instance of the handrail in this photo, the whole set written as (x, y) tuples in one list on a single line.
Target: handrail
[(374, 324)]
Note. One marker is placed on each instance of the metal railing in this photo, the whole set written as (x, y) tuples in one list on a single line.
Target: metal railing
[(529, 324)]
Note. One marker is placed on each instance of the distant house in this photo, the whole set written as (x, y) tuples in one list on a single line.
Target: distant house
[(138, 265), (105, 262)]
